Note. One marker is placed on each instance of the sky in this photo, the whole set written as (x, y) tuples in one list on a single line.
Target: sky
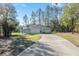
[(27, 8)]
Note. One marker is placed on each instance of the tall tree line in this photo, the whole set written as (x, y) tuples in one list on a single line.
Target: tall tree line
[(59, 19), (45, 17), (70, 18), (8, 21)]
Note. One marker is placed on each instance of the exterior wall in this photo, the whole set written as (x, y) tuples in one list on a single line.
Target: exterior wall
[(33, 29), (46, 30)]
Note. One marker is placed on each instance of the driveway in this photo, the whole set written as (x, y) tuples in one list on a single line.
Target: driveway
[(51, 45)]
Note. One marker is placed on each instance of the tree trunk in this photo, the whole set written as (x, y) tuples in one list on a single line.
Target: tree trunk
[(72, 29), (40, 19), (5, 29)]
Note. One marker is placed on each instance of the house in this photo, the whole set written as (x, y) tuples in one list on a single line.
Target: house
[(35, 29)]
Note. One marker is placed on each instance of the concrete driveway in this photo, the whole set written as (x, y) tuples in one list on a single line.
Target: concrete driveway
[(51, 45)]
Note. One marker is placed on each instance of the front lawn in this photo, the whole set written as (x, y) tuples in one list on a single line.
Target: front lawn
[(17, 33), (34, 37), (69, 36)]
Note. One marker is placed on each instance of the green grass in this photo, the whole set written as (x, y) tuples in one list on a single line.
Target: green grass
[(17, 33), (69, 37), (34, 38), (29, 37)]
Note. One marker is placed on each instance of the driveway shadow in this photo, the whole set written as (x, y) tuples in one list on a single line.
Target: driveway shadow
[(13, 46), (39, 49)]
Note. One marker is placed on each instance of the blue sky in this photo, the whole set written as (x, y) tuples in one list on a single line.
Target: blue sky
[(27, 8)]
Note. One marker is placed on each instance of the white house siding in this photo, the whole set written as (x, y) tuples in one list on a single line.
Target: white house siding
[(33, 29), (46, 29)]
